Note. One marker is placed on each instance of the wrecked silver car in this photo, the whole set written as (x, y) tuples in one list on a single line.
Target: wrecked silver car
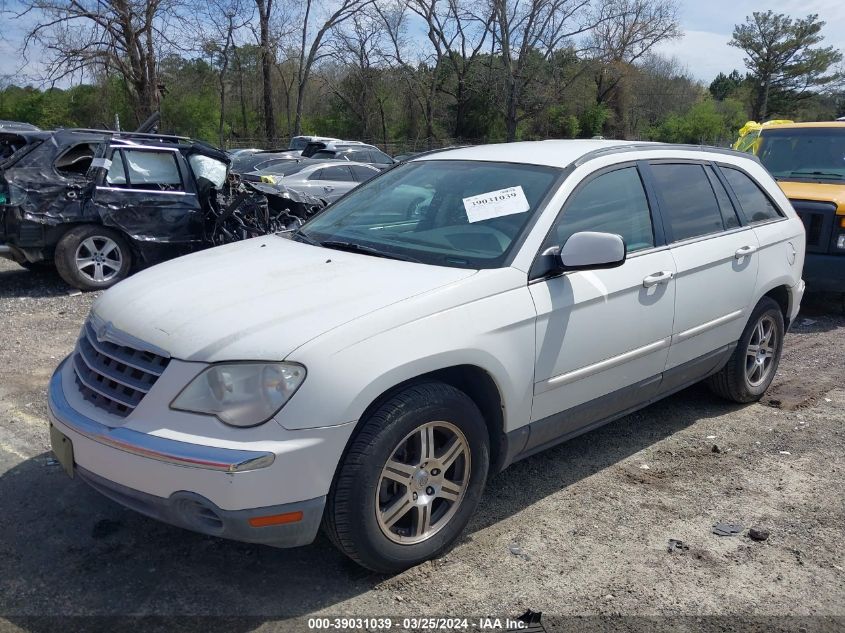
[(100, 204)]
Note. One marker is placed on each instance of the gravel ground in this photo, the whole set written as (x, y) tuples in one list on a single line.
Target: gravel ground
[(582, 529)]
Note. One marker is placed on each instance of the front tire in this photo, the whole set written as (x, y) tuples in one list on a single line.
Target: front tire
[(752, 366), (411, 479), (92, 257)]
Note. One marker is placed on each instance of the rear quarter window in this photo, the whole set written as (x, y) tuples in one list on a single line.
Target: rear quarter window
[(756, 205), (76, 161)]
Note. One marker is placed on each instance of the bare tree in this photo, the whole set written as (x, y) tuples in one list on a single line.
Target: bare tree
[(636, 28), (420, 71), (530, 33), (358, 48), (220, 24), (122, 36), (317, 21), (265, 11), (457, 31)]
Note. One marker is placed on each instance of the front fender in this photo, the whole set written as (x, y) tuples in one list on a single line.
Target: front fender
[(495, 333)]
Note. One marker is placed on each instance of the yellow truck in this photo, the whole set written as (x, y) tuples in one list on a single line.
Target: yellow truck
[(808, 161)]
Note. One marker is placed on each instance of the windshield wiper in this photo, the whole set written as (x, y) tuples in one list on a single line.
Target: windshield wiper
[(365, 250), (828, 174)]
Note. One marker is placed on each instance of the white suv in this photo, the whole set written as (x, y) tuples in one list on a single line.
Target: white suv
[(453, 315)]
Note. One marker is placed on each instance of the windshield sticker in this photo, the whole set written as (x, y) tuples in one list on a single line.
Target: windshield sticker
[(495, 204)]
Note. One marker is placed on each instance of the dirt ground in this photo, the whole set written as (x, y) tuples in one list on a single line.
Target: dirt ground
[(582, 529)]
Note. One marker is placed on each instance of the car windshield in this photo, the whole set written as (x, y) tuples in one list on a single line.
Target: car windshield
[(463, 214), (815, 153)]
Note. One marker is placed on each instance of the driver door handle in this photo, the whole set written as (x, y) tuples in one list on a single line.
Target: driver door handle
[(744, 251), (658, 278)]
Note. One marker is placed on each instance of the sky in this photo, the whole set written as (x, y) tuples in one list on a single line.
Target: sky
[(703, 50), (708, 24)]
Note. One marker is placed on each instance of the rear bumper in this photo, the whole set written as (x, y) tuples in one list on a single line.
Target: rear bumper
[(824, 273), (194, 512)]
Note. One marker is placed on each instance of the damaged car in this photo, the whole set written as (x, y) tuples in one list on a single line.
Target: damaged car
[(101, 204)]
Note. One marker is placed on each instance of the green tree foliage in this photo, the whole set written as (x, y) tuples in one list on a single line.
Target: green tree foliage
[(784, 60), (723, 86), (708, 122), (593, 118)]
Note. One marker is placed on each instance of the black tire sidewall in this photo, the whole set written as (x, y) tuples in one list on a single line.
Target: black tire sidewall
[(764, 307), (373, 547), (65, 256)]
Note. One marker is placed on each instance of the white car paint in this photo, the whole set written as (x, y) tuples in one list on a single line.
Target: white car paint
[(362, 325)]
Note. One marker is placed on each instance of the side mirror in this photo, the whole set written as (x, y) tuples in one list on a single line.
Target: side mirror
[(588, 250)]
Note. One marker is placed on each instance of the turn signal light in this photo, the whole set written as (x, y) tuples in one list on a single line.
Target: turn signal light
[(842, 222), (276, 519)]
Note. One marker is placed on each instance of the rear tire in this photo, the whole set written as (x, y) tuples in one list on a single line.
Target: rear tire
[(752, 366), (92, 257), (410, 480)]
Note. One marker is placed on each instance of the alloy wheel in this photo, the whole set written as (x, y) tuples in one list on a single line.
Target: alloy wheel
[(760, 353), (423, 483), (98, 259)]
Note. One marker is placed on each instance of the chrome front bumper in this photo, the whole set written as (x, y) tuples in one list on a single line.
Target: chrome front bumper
[(151, 446)]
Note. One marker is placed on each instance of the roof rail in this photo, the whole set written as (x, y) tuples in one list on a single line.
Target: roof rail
[(434, 151), (127, 134), (633, 147)]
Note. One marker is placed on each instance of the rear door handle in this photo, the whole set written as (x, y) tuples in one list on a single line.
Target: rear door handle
[(744, 252), (658, 278)]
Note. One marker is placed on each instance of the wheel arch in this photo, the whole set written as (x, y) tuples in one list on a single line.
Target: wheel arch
[(475, 382), (780, 294)]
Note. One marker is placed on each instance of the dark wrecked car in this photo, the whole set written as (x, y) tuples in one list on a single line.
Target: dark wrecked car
[(101, 204)]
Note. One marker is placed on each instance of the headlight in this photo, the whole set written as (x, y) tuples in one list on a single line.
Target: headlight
[(840, 241), (241, 394)]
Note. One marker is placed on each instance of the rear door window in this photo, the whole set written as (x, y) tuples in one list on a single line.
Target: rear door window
[(687, 200), (755, 204), (379, 157), (729, 216), (340, 173), (361, 173), (155, 171), (359, 156)]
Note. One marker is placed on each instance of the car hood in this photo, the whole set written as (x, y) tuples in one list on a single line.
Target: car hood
[(817, 192), (259, 299)]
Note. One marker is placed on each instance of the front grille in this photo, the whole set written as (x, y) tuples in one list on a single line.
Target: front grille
[(114, 377), (818, 219)]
